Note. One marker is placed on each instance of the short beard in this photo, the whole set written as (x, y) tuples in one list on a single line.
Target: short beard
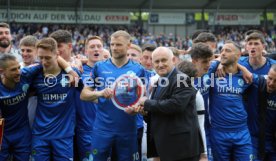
[(120, 57), (5, 44)]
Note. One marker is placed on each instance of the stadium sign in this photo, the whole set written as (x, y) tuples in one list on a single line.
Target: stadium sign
[(234, 19), (37, 16), (167, 18)]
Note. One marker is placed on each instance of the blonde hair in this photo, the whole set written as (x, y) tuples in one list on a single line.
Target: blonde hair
[(29, 41), (136, 47), (121, 33)]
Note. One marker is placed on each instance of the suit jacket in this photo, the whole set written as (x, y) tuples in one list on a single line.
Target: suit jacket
[(173, 123)]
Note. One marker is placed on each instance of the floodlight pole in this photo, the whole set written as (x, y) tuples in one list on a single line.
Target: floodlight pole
[(78, 11), (141, 25), (215, 15), (202, 18), (8, 11), (81, 9), (265, 19)]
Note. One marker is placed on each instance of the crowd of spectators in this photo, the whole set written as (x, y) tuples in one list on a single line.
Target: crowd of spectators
[(139, 36)]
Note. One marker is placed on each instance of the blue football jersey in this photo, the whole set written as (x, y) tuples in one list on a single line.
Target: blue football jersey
[(244, 61), (109, 117), (270, 116), (227, 110), (14, 102), (252, 104), (202, 84), (86, 111), (55, 114)]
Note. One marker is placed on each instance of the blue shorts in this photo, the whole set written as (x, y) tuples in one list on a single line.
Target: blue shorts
[(125, 146), (84, 144), (208, 145), (270, 151), (231, 145), (17, 143), (61, 149)]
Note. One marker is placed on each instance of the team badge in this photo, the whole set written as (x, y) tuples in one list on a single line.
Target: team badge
[(25, 87), (240, 82), (131, 73)]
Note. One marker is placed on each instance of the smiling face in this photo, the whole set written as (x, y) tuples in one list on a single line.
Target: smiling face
[(5, 37), (133, 54), (28, 54), (163, 61), (11, 73)]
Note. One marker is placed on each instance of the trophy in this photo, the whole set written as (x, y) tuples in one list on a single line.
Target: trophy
[(127, 91)]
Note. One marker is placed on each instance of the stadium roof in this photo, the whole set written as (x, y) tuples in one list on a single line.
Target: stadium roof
[(132, 5)]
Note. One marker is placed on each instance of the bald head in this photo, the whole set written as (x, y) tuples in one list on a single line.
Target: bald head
[(163, 61), (163, 50)]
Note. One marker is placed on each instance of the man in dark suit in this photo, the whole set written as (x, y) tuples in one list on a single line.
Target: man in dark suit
[(173, 126)]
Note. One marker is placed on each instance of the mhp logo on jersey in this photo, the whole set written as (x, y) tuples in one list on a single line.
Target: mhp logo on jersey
[(128, 89)]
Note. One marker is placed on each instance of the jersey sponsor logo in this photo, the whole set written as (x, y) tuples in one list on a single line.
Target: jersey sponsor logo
[(54, 97), (203, 90), (15, 100), (229, 90), (106, 72)]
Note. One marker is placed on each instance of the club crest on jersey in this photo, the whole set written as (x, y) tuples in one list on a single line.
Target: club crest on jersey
[(25, 87), (131, 73), (240, 82), (206, 78)]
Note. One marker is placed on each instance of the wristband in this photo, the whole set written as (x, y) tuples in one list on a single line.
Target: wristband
[(68, 69)]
